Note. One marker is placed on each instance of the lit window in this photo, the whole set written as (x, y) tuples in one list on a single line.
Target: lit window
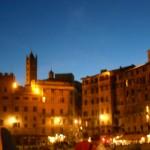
[(1, 122), (25, 125)]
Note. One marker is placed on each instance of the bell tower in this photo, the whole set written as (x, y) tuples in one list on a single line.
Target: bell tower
[(31, 68)]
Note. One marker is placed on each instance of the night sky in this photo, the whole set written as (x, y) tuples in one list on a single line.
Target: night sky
[(78, 36)]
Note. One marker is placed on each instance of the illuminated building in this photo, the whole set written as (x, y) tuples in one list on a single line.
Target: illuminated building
[(113, 102), (41, 108), (133, 99), (117, 101), (97, 105)]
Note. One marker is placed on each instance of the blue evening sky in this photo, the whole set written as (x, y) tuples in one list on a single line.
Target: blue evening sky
[(78, 36)]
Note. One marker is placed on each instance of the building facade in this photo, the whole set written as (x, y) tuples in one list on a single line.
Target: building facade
[(117, 101), (41, 108), (113, 102), (133, 99), (97, 106)]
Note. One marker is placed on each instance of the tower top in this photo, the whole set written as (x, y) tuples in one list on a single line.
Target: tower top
[(31, 55), (31, 68)]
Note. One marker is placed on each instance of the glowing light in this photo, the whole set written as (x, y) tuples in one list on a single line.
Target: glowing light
[(12, 120), (106, 73), (103, 140), (35, 88), (147, 117), (104, 117), (147, 109), (86, 123), (56, 138), (43, 99), (51, 139), (148, 138), (61, 137), (89, 139), (81, 128), (75, 121), (127, 83), (57, 120), (15, 85), (142, 140)]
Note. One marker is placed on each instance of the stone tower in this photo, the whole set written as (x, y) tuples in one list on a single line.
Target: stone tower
[(31, 68)]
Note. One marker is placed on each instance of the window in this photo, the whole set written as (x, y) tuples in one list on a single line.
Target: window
[(1, 122), (34, 125), (25, 118), (26, 98), (25, 125), (17, 97), (61, 111), (71, 93), (52, 121), (4, 108), (34, 118), (102, 99), (16, 108), (107, 99), (92, 101), (5, 89), (71, 101), (107, 110), (146, 96), (43, 130), (34, 98), (96, 90), (92, 113), (92, 91), (102, 110), (52, 112), (85, 113), (85, 102), (43, 111), (85, 92), (62, 100), (25, 109), (97, 100), (43, 121), (86, 81), (16, 125), (34, 109)]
